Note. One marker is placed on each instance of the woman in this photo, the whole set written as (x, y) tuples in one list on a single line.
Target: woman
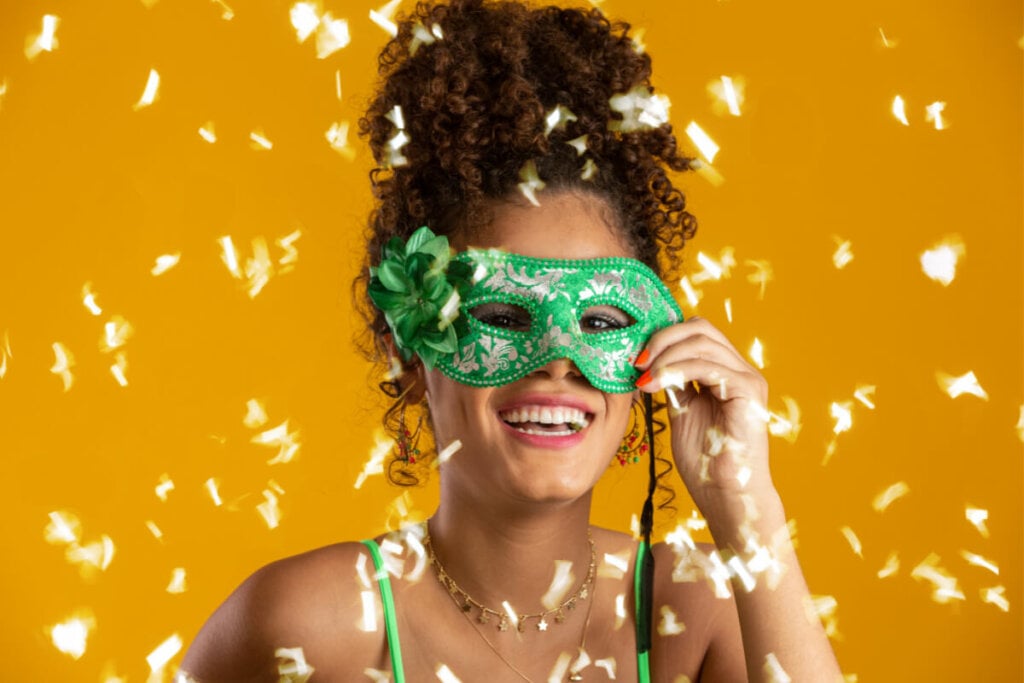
[(529, 139)]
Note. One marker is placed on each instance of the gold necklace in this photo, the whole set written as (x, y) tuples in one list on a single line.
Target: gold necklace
[(466, 604)]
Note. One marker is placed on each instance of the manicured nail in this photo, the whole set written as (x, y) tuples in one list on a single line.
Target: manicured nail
[(644, 379), (642, 358)]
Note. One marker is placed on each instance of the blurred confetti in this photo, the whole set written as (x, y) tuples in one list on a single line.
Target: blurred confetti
[(761, 276), (640, 108), (560, 585), (531, 182), (728, 95), (62, 365), (979, 561), (557, 118), (669, 624), (854, 542), (1020, 419), (384, 17), (933, 113), (213, 490), (773, 671), (940, 262), (259, 140), (207, 132), (45, 40), (71, 635), (163, 653), (292, 667), (5, 353), (964, 384), (996, 596), (375, 464), (165, 262), (255, 414), (944, 586), (177, 584), (865, 393), (89, 299), (892, 565), (400, 139), (890, 495), (843, 253), (164, 487), (977, 517), (757, 353), (899, 110), (445, 675), (286, 443), (269, 508), (149, 94), (707, 147)]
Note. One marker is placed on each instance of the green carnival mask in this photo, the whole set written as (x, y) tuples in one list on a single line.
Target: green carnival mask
[(520, 313)]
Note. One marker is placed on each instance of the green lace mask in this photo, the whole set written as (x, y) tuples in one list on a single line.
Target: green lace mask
[(519, 313)]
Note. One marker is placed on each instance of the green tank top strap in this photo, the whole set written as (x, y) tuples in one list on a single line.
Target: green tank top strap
[(643, 664), (390, 620)]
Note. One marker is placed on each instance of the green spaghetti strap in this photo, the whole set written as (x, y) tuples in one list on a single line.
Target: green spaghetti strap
[(390, 622), (643, 663)]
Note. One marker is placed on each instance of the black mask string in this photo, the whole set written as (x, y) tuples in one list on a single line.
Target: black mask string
[(645, 609)]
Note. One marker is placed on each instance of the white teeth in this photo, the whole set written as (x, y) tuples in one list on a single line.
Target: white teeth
[(549, 415)]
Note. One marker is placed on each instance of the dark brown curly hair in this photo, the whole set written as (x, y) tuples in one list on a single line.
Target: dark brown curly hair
[(473, 104)]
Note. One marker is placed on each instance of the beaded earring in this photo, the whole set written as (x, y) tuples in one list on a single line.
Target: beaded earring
[(634, 445), (407, 443)]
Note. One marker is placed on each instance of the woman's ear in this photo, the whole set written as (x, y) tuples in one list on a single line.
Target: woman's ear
[(408, 375)]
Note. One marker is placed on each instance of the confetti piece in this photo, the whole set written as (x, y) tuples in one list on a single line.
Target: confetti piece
[(377, 676), (155, 530), (890, 495), (979, 561), (304, 19), (383, 17), (640, 108), (207, 133), (899, 110), (885, 40), (71, 635), (560, 584), (608, 664), (823, 608), (279, 437), (757, 353), (638, 35), (177, 583), (400, 139), (375, 464), (46, 40), (613, 566), (589, 170), (707, 147), (557, 119), (843, 253), (892, 565), (255, 414), (227, 14), (715, 269), (581, 663), (64, 528), (119, 368), (728, 309), (864, 394), (996, 596), (669, 626), (773, 671), (337, 138), (579, 144), (939, 263), (331, 35), (1020, 419), (3, 92), (158, 658), (212, 489), (719, 576), (693, 296), (531, 182), (293, 667), (63, 364), (229, 255), (269, 509), (854, 542), (91, 557), (259, 140), (728, 94), (945, 588), (164, 487), (761, 276), (150, 92), (933, 113), (512, 616), (964, 384), (448, 451), (977, 517), (116, 333), (620, 610), (89, 299), (5, 353), (165, 262), (841, 413), (421, 36)]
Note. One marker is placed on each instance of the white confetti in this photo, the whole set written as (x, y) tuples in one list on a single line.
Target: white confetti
[(933, 113), (977, 517), (891, 494), (158, 658), (964, 384), (708, 147), (939, 263), (899, 110), (150, 92)]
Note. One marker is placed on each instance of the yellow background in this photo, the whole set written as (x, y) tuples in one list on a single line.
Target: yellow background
[(92, 190)]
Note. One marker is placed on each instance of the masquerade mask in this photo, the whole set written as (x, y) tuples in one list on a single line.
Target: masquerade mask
[(520, 313), (488, 318)]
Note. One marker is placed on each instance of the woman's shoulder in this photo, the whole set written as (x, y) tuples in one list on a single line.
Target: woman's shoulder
[(311, 600)]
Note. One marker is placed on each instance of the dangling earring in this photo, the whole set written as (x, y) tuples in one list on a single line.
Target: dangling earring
[(634, 444), (408, 442)]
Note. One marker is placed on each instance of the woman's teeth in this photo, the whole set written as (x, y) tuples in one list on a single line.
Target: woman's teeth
[(546, 420)]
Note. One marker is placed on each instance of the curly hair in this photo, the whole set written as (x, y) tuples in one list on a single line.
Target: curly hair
[(474, 82)]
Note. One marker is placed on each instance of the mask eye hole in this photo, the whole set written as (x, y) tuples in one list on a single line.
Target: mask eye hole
[(502, 315), (604, 319)]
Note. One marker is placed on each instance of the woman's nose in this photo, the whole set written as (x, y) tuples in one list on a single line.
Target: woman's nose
[(559, 368)]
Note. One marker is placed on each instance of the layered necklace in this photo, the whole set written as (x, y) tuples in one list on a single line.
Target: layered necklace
[(507, 617)]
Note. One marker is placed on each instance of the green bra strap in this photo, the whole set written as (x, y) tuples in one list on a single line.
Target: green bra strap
[(390, 622), (643, 663)]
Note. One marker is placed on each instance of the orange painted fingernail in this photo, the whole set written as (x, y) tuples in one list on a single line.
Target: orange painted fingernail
[(644, 379), (642, 358)]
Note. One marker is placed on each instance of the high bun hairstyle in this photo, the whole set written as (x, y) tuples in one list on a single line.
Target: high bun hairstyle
[(474, 83)]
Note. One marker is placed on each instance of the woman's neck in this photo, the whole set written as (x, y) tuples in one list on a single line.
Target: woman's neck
[(498, 555)]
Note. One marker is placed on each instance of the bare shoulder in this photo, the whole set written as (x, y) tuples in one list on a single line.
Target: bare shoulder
[(697, 627), (312, 601)]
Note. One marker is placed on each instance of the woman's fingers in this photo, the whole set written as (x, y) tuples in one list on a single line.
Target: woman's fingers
[(701, 338), (725, 382)]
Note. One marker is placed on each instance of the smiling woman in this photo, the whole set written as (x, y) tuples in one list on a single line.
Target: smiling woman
[(526, 322)]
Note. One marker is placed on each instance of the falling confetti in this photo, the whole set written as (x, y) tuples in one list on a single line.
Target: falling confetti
[(5, 353), (773, 671), (400, 139), (613, 566), (337, 138), (304, 19), (940, 262), (421, 36), (715, 269), (1020, 419), (892, 565), (3, 92), (227, 14), (964, 384), (64, 528), (864, 394), (890, 495), (589, 170), (46, 40), (728, 309), (255, 414), (669, 626), (207, 133), (823, 608), (116, 333), (899, 110), (728, 94), (375, 464), (259, 140), (331, 35), (63, 364), (89, 299), (979, 561), (531, 182), (229, 255), (977, 517), (70, 636), (154, 529), (165, 262), (843, 253), (150, 92), (384, 17), (933, 113), (886, 41), (557, 119), (707, 147), (165, 486), (445, 454), (579, 144), (292, 667), (162, 654), (608, 664), (761, 276), (279, 437), (177, 584), (693, 296), (841, 413), (996, 596), (757, 353), (944, 585), (560, 585), (854, 542), (213, 490), (640, 108), (269, 508)]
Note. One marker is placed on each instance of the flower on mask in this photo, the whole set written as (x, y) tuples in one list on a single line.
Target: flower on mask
[(417, 286)]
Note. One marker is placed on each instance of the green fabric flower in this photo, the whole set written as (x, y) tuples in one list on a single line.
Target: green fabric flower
[(417, 287)]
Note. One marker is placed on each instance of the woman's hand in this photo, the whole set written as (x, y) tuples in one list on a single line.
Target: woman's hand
[(719, 434)]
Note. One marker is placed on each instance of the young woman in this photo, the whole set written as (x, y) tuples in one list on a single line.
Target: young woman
[(525, 324)]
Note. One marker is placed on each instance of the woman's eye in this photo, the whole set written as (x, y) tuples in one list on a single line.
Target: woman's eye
[(505, 316), (604, 319)]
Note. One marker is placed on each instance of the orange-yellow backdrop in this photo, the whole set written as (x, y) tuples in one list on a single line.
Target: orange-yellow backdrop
[(94, 188)]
